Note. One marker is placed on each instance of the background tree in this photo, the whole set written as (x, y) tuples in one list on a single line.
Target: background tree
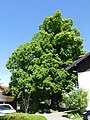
[(76, 100), (40, 65), (7, 91)]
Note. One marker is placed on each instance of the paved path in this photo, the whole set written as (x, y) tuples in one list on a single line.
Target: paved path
[(55, 116)]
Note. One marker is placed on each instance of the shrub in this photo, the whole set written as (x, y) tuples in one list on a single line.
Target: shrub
[(74, 115), (22, 116), (76, 100)]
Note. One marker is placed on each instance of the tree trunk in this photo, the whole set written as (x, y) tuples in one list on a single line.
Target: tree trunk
[(25, 103)]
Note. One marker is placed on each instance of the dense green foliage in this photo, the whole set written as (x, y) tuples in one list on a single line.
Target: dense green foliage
[(76, 100), (38, 67), (22, 116)]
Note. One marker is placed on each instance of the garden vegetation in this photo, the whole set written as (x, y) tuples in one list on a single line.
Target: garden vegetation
[(22, 116)]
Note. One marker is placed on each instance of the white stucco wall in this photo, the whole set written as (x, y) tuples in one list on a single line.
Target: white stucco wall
[(84, 83)]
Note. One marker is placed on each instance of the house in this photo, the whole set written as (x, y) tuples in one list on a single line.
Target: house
[(81, 67), (7, 99)]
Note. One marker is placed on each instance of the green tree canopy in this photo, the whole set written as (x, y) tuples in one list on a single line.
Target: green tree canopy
[(38, 67)]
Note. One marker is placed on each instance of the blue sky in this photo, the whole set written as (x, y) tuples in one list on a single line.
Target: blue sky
[(19, 21)]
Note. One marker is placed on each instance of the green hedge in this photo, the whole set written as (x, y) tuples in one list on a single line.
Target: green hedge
[(22, 116)]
